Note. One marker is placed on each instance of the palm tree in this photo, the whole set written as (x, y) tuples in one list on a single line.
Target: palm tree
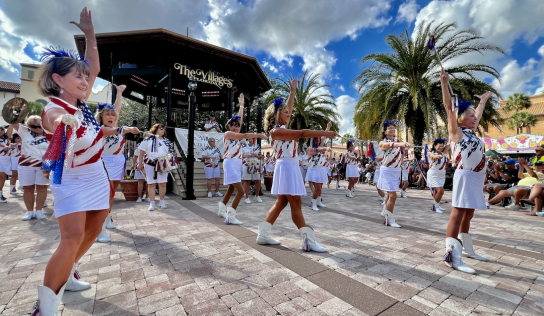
[(520, 120), (345, 138), (314, 106), (517, 102), (404, 84)]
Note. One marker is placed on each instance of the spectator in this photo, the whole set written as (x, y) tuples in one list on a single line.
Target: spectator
[(212, 125), (132, 140), (503, 176), (539, 155)]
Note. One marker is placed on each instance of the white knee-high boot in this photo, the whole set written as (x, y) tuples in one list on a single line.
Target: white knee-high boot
[(103, 237), (308, 240), (109, 222), (48, 302), (468, 248), (74, 284), (264, 234), (453, 256)]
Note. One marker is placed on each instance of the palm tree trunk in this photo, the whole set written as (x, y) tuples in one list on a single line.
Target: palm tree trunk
[(419, 132)]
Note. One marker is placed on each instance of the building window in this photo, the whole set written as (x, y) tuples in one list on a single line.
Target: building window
[(31, 74)]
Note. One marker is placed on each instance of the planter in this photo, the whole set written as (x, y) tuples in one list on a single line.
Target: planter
[(130, 189), (268, 182)]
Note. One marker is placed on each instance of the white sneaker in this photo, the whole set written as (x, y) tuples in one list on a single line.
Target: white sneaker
[(209, 194), (248, 201), (103, 237), (163, 204), (403, 194), (139, 200), (218, 193), (487, 204), (259, 199), (13, 191), (513, 207), (39, 215), (151, 208), (28, 216), (148, 199), (440, 208), (436, 208), (3, 199), (337, 186)]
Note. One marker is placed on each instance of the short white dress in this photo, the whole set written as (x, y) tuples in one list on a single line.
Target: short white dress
[(469, 157), (114, 157), (33, 147), (5, 159), (287, 176), (351, 165), (85, 186), (232, 163), (317, 168), (436, 176), (154, 147), (390, 171)]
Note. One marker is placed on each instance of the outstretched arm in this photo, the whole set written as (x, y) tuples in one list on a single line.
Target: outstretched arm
[(241, 100), (291, 99), (481, 106), (119, 97), (91, 51), (453, 128)]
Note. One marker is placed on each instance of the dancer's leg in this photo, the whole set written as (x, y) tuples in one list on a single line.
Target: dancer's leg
[(246, 188), (28, 196), (239, 194), (228, 194), (438, 193), (257, 187), (274, 212), (390, 202), (41, 195), (162, 190), (295, 202), (93, 226)]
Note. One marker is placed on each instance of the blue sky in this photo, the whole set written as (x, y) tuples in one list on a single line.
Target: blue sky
[(322, 36)]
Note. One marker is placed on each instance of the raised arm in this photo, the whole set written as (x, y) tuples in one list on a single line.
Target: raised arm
[(453, 128), (327, 129), (91, 51), (481, 106), (119, 98), (241, 100), (11, 128), (291, 99)]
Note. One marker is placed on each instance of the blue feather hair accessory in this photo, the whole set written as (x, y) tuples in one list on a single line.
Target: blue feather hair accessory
[(278, 102), (101, 106), (234, 118), (463, 105), (349, 143), (439, 140), (52, 53), (387, 123)]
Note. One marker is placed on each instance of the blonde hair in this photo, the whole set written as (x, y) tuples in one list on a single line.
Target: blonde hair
[(271, 117), (45, 85), (98, 115), (33, 118), (461, 117)]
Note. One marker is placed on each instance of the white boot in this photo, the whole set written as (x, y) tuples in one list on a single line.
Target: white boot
[(353, 191), (436, 208), (222, 210), (308, 240), (453, 256), (103, 237), (109, 222), (403, 194), (314, 205), (48, 302), (74, 284), (320, 202), (390, 219), (163, 204), (230, 218), (264, 235), (383, 211), (468, 248)]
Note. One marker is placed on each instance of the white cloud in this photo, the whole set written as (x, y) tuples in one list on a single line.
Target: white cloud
[(346, 107), (501, 25), (341, 87), (407, 12)]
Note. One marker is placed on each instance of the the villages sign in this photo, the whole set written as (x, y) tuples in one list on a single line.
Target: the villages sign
[(203, 76)]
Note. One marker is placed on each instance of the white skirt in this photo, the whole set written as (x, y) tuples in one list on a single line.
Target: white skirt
[(85, 188), (436, 178), (317, 174), (389, 179), (405, 174), (351, 171), (115, 165), (14, 163), (468, 190), (328, 172), (5, 164), (376, 176), (288, 178), (232, 171)]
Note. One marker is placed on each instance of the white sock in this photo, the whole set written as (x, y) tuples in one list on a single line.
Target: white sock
[(37, 210), (152, 203), (162, 201)]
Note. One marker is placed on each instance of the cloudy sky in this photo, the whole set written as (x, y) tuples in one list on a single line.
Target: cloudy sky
[(328, 37)]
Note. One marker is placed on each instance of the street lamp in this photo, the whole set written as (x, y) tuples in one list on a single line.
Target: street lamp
[(189, 189)]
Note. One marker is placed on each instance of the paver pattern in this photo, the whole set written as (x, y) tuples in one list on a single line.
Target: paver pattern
[(175, 262)]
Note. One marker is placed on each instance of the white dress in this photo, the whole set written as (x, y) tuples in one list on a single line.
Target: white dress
[(232, 163), (436, 176), (390, 171), (351, 166), (287, 176), (33, 147), (85, 186), (468, 180), (317, 168)]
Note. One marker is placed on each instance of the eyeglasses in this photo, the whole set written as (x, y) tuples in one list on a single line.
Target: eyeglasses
[(34, 126), (391, 128)]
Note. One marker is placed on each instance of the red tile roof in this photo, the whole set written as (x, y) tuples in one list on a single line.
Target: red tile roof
[(31, 65), (10, 86)]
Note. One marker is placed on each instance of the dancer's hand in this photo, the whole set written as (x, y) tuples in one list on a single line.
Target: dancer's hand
[(407, 145), (332, 134), (69, 119), (140, 166), (46, 173), (293, 84), (484, 97), (120, 88), (85, 22), (262, 136), (241, 99)]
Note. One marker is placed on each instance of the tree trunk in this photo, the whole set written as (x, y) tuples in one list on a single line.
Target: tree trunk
[(419, 132)]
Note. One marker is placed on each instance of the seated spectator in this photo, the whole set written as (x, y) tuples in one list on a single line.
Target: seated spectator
[(523, 188), (503, 176), (450, 171)]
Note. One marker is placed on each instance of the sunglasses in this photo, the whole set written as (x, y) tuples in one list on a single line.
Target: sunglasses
[(34, 126), (162, 129)]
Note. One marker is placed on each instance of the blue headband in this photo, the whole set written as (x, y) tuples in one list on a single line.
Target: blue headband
[(101, 106), (278, 102), (236, 117), (463, 105), (387, 123), (439, 140), (349, 143), (54, 53)]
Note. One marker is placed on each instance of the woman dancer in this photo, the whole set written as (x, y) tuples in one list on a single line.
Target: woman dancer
[(251, 170), (81, 196), (436, 176), (232, 165), (469, 156), (31, 178), (138, 175), (288, 183), (5, 162), (390, 172), (113, 154), (152, 148), (14, 153), (352, 174), (317, 169)]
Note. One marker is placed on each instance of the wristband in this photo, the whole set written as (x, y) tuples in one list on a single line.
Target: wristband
[(392, 144), (120, 130)]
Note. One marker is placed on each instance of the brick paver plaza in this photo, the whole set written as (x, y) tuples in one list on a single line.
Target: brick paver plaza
[(184, 260)]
